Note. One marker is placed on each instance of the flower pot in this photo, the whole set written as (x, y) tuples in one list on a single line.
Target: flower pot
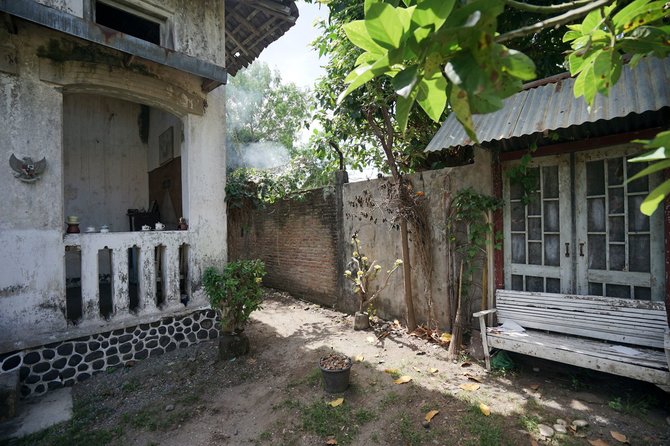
[(361, 321), (336, 371), (233, 345)]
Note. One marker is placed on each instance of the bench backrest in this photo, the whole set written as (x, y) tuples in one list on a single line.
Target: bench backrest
[(626, 321)]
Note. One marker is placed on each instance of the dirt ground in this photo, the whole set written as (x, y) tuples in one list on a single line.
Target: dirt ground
[(274, 395)]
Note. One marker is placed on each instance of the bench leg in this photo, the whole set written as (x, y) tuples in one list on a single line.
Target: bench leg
[(485, 343)]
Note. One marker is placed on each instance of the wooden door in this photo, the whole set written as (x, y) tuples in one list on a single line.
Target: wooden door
[(619, 249), (538, 235)]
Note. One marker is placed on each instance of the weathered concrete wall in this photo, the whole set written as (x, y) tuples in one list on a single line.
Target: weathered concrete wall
[(305, 243), (298, 241), (196, 28), (105, 160), (365, 212)]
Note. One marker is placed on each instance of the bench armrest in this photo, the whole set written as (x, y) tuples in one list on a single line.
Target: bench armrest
[(484, 313)]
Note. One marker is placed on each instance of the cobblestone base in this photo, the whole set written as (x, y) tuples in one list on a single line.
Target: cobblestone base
[(63, 363)]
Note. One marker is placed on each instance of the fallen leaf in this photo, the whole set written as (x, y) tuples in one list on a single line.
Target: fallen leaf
[(470, 386), (534, 387), (445, 337), (371, 339), (416, 369), (359, 358), (466, 364), (621, 438), (392, 371), (485, 409), (598, 442), (403, 379), (337, 402), (431, 414), (474, 378), (331, 441), (432, 370)]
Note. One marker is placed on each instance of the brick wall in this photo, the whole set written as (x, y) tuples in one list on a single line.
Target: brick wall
[(298, 241)]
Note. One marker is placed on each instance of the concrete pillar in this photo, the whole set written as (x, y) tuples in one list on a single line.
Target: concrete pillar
[(204, 154)]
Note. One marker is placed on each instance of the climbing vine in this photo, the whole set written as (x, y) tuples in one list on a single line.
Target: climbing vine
[(524, 176)]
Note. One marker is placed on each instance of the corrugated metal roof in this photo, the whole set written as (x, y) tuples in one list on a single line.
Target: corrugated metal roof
[(553, 106)]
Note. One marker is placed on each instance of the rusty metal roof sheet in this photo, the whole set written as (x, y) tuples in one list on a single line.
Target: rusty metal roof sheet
[(553, 106)]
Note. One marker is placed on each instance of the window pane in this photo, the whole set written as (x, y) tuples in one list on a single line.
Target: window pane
[(518, 248), (515, 190), (640, 185), (535, 284), (595, 289), (616, 230), (596, 214), (517, 282), (595, 178), (615, 200), (535, 204), (535, 253), (534, 228), (553, 285), (615, 171), (552, 250), (622, 291), (637, 221), (518, 214), (550, 181), (535, 174), (638, 253), (617, 257), (596, 250), (642, 293), (551, 216)]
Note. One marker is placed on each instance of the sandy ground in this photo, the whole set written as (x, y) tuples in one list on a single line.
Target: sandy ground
[(274, 395)]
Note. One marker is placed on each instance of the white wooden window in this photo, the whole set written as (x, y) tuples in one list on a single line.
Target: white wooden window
[(582, 231)]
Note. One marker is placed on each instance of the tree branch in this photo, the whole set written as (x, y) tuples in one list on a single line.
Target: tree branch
[(548, 9), (554, 21)]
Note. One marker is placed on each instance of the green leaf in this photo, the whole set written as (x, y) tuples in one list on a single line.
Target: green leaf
[(432, 13), (357, 33), (432, 96), (660, 153), (606, 70), (404, 82), (653, 168), (571, 35), (656, 197), (386, 24), (519, 65), (403, 107), (363, 74), (366, 58), (458, 99), (638, 13)]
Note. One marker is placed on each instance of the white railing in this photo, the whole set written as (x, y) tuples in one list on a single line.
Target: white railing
[(169, 267)]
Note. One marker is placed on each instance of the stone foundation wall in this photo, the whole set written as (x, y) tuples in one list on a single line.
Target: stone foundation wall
[(63, 363)]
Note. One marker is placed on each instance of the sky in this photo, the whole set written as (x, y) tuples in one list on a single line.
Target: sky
[(291, 54)]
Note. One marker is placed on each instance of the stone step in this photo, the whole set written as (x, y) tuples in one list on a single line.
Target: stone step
[(9, 394)]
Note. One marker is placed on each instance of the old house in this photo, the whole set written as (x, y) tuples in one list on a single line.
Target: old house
[(112, 129)]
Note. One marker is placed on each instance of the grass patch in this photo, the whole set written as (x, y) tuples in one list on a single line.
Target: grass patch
[(155, 418), (632, 405), (130, 386), (484, 431), (340, 422), (411, 433), (529, 423), (390, 399)]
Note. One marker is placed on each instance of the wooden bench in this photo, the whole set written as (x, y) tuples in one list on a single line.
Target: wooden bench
[(620, 336)]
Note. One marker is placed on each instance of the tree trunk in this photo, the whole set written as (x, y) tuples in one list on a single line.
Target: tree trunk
[(407, 275), (457, 333)]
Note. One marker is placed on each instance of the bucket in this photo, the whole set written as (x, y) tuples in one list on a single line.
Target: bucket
[(336, 381)]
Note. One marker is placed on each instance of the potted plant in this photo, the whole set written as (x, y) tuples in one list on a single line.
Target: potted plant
[(362, 274), (335, 369), (234, 293)]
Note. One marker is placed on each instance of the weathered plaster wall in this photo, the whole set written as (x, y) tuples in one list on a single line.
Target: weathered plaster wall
[(159, 121), (31, 279), (364, 212), (197, 27), (105, 160)]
